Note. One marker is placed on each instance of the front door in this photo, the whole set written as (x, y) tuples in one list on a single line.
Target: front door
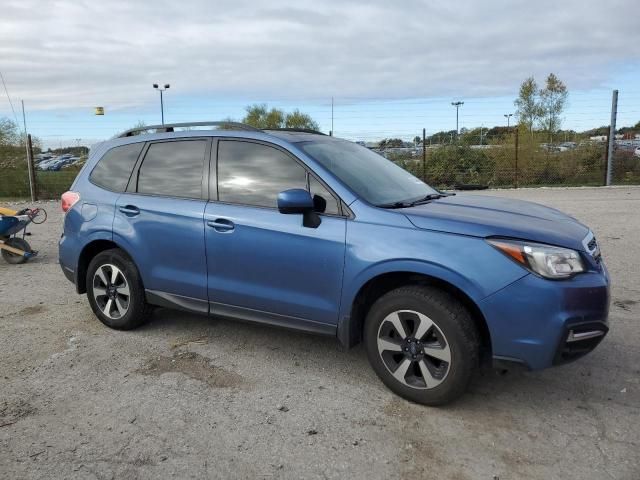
[(262, 263)]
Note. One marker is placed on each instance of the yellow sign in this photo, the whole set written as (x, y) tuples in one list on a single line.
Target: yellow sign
[(99, 110)]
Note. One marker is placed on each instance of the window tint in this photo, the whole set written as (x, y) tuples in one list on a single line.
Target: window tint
[(254, 174), (114, 168), (173, 169), (323, 201)]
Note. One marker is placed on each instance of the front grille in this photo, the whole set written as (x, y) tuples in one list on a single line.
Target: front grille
[(591, 245)]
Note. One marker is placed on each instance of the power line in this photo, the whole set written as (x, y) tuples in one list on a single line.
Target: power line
[(6, 90)]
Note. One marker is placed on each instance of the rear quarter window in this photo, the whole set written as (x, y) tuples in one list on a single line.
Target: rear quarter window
[(114, 168)]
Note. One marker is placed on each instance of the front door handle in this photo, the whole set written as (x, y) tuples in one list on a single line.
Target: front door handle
[(221, 225), (130, 210)]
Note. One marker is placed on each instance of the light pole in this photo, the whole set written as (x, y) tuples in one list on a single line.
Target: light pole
[(457, 105), (166, 86), (508, 117)]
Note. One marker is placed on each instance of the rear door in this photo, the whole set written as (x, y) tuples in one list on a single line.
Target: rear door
[(159, 219), (263, 263)]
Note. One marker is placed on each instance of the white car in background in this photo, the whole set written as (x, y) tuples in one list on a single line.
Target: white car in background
[(636, 153)]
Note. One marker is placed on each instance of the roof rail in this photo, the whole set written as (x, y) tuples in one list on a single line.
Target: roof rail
[(300, 130), (169, 127)]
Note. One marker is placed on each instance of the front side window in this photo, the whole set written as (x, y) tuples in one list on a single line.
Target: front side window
[(114, 168), (173, 169), (323, 201), (254, 174)]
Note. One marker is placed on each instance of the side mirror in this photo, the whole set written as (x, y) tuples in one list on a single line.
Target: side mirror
[(295, 200), (298, 200)]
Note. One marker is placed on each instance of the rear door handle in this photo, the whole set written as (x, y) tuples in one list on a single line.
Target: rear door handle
[(130, 210), (221, 225)]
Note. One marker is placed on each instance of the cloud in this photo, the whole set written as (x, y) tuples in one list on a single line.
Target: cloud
[(71, 53)]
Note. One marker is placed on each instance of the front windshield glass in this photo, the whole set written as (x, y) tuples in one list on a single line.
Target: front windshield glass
[(371, 176)]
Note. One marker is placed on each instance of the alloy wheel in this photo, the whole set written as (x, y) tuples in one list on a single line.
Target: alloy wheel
[(414, 349), (111, 291)]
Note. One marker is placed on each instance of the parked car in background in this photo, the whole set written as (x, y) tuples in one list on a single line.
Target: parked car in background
[(306, 231), (636, 152)]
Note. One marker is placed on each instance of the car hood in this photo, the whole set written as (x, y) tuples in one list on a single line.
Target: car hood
[(484, 216)]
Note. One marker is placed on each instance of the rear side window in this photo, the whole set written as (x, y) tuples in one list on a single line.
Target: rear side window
[(114, 168), (173, 169), (254, 174)]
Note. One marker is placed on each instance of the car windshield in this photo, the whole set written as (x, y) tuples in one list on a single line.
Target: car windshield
[(371, 176)]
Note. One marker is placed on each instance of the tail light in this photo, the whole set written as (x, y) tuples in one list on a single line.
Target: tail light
[(68, 200)]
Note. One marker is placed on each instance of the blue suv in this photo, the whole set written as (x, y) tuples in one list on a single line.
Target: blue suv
[(302, 230)]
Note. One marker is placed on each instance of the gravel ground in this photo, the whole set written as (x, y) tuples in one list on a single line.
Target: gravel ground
[(190, 396)]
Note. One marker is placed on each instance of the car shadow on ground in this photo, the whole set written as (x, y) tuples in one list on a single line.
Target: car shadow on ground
[(327, 357)]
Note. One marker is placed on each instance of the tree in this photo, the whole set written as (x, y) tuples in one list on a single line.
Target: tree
[(297, 119), (9, 134), (553, 99), (417, 140), (527, 105), (260, 116)]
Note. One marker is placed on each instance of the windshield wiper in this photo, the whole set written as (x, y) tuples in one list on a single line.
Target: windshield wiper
[(395, 205), (431, 196), (419, 201)]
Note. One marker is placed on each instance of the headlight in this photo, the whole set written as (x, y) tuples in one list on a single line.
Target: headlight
[(545, 260)]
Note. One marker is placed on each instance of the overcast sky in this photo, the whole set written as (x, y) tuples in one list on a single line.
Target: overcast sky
[(71, 55)]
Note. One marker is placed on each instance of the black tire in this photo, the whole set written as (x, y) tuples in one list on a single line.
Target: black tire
[(19, 243), (137, 310), (454, 330)]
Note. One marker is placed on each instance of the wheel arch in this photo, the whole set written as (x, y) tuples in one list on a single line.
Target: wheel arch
[(89, 251), (350, 326)]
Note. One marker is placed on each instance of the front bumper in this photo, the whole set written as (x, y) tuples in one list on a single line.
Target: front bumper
[(540, 323)]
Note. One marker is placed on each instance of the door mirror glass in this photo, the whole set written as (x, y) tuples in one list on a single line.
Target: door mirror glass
[(295, 200)]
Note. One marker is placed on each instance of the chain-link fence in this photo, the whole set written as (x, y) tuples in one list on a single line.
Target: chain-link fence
[(54, 173), (509, 160), (518, 160)]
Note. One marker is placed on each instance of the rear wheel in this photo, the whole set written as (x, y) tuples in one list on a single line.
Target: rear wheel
[(115, 291), (422, 343), (20, 244)]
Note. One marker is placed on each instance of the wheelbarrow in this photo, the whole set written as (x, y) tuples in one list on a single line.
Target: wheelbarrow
[(15, 249)]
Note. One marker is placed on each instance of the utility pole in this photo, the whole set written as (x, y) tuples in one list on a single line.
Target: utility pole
[(481, 128), (424, 154), (612, 135), (457, 105), (508, 117), (166, 86), (30, 167)]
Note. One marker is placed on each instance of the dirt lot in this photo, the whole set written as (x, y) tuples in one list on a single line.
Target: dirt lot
[(189, 396)]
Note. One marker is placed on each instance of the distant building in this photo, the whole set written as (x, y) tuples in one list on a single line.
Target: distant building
[(599, 138)]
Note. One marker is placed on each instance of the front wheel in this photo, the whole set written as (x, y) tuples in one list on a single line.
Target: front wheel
[(115, 291), (422, 343)]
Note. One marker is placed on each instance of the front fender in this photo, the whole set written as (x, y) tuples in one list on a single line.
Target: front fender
[(468, 263)]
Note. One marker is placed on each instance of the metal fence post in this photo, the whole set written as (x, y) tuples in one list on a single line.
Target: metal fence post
[(32, 172), (516, 159), (424, 155), (612, 135)]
